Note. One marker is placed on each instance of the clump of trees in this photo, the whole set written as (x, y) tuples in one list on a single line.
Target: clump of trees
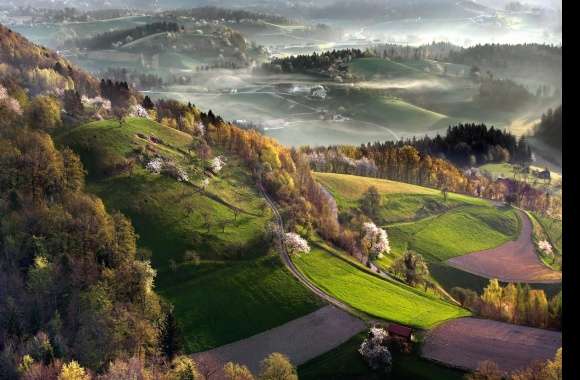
[(72, 285), (412, 269), (385, 160), (468, 145), (275, 366), (549, 370), (370, 203), (375, 351), (512, 303), (329, 63), (503, 94)]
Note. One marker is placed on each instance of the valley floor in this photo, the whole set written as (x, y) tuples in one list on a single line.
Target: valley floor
[(466, 342), (514, 261)]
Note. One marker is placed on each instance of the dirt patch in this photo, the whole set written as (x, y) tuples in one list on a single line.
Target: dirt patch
[(514, 261), (466, 342), (301, 340)]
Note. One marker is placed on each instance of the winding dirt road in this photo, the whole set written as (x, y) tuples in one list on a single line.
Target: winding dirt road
[(466, 342), (514, 261)]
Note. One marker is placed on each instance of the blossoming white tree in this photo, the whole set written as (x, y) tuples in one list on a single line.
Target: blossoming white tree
[(155, 165), (138, 110), (375, 241), (10, 103), (295, 243), (545, 247), (216, 164), (374, 350)]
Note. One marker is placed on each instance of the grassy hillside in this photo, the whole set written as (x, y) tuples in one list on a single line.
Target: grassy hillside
[(238, 287), (419, 218), (459, 231), (374, 106), (345, 363), (354, 285), (371, 67)]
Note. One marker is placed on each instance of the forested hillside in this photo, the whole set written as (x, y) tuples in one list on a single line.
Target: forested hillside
[(77, 295), (549, 129), (39, 69)]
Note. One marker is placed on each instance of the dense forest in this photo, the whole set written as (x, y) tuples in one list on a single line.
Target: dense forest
[(116, 38), (39, 69), (237, 15), (503, 94), (549, 130), (434, 50), (506, 55), (469, 145), (328, 63)]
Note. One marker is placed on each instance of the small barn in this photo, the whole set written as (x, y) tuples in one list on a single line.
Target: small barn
[(402, 332)]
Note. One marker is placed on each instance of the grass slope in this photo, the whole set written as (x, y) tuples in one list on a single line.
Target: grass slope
[(239, 288), (418, 218), (373, 106), (457, 232), (370, 67), (345, 363), (354, 285)]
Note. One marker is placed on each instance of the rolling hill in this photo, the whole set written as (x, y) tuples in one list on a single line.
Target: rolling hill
[(233, 286)]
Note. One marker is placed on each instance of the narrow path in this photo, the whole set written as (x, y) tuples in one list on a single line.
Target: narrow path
[(514, 261), (285, 256), (301, 339), (465, 342)]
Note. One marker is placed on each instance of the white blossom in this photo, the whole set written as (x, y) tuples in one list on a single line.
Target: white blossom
[(98, 103), (545, 247), (138, 110), (295, 243), (374, 350), (199, 129), (155, 165), (375, 240), (10, 103), (217, 163)]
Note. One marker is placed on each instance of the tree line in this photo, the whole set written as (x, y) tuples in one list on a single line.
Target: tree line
[(407, 164), (318, 63), (468, 145), (518, 304)]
